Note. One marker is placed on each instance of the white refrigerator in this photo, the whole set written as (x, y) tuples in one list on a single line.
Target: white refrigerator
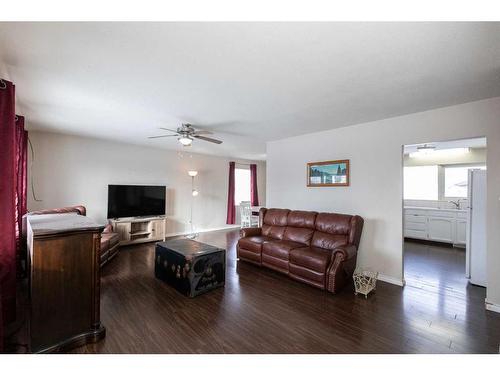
[(475, 260)]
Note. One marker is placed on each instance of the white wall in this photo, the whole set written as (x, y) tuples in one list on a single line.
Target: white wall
[(71, 170), (375, 152)]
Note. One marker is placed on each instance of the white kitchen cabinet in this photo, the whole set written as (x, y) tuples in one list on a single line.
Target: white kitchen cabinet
[(440, 225), (441, 229), (460, 233), (415, 225), (418, 234)]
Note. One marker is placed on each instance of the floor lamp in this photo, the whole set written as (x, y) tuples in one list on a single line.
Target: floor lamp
[(194, 193)]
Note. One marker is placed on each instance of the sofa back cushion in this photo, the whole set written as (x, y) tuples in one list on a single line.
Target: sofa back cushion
[(274, 222), (332, 230), (80, 210), (300, 226), (357, 223)]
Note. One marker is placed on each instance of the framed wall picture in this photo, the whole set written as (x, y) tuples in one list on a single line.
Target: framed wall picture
[(328, 173)]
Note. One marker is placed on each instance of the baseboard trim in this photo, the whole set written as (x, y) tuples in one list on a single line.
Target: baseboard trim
[(492, 306), (391, 280), (203, 230)]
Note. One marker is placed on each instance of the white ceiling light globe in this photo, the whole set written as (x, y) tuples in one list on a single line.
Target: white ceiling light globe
[(185, 141)]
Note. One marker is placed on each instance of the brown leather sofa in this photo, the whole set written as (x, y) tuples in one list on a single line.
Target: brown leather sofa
[(109, 239), (318, 249)]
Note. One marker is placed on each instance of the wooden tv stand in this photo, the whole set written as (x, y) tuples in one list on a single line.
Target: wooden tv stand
[(139, 230)]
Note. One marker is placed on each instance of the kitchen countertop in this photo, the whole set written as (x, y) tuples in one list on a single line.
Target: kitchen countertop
[(434, 209)]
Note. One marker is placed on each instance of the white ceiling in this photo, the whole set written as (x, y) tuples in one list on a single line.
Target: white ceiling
[(248, 82)]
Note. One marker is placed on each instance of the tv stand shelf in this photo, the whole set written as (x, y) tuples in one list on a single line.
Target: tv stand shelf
[(139, 230), (139, 233)]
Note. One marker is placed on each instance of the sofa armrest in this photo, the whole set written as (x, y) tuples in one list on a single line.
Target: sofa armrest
[(348, 251), (248, 232), (341, 268), (108, 228)]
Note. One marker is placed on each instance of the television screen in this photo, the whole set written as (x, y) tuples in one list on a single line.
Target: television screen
[(135, 200)]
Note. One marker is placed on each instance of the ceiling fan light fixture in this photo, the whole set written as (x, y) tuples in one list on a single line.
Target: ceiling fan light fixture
[(446, 152), (185, 141), (426, 149), (186, 135)]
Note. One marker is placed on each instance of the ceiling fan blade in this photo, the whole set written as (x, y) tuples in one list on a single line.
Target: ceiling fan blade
[(201, 132), (162, 136), (208, 139), (170, 130)]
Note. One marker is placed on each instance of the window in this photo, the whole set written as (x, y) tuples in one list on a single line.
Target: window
[(421, 182), (456, 181), (241, 185)]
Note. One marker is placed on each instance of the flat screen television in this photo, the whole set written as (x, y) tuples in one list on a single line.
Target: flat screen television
[(135, 200)]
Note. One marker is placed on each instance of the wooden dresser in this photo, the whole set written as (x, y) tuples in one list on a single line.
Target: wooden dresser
[(64, 282)]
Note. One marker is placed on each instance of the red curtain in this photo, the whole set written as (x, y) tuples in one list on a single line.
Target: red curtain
[(254, 194), (8, 182), (231, 208), (21, 189)]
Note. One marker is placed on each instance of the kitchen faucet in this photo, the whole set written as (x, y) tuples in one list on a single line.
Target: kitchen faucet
[(456, 203)]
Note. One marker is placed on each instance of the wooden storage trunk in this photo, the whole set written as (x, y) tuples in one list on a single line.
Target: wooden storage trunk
[(189, 266)]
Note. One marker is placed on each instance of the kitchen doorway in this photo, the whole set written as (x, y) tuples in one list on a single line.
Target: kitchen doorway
[(444, 216)]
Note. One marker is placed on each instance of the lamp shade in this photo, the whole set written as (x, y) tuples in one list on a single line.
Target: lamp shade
[(193, 173)]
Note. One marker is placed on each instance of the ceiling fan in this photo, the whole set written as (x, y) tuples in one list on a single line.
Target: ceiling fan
[(186, 133)]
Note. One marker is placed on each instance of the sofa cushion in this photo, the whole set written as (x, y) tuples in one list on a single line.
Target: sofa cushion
[(104, 244), (328, 241), (254, 243), (273, 231), (113, 251), (333, 223), (112, 238), (302, 235), (306, 275), (332, 230), (280, 249), (313, 258), (276, 216), (276, 264), (104, 258), (250, 256), (302, 219), (274, 223)]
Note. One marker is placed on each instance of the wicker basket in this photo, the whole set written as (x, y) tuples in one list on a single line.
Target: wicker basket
[(365, 281)]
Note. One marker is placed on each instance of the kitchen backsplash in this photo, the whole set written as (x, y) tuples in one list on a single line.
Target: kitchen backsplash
[(435, 204)]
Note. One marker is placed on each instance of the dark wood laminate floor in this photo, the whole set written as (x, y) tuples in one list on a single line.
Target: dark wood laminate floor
[(260, 311), (436, 274), (435, 267)]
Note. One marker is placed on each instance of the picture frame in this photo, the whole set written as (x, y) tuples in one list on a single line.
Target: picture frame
[(328, 173)]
